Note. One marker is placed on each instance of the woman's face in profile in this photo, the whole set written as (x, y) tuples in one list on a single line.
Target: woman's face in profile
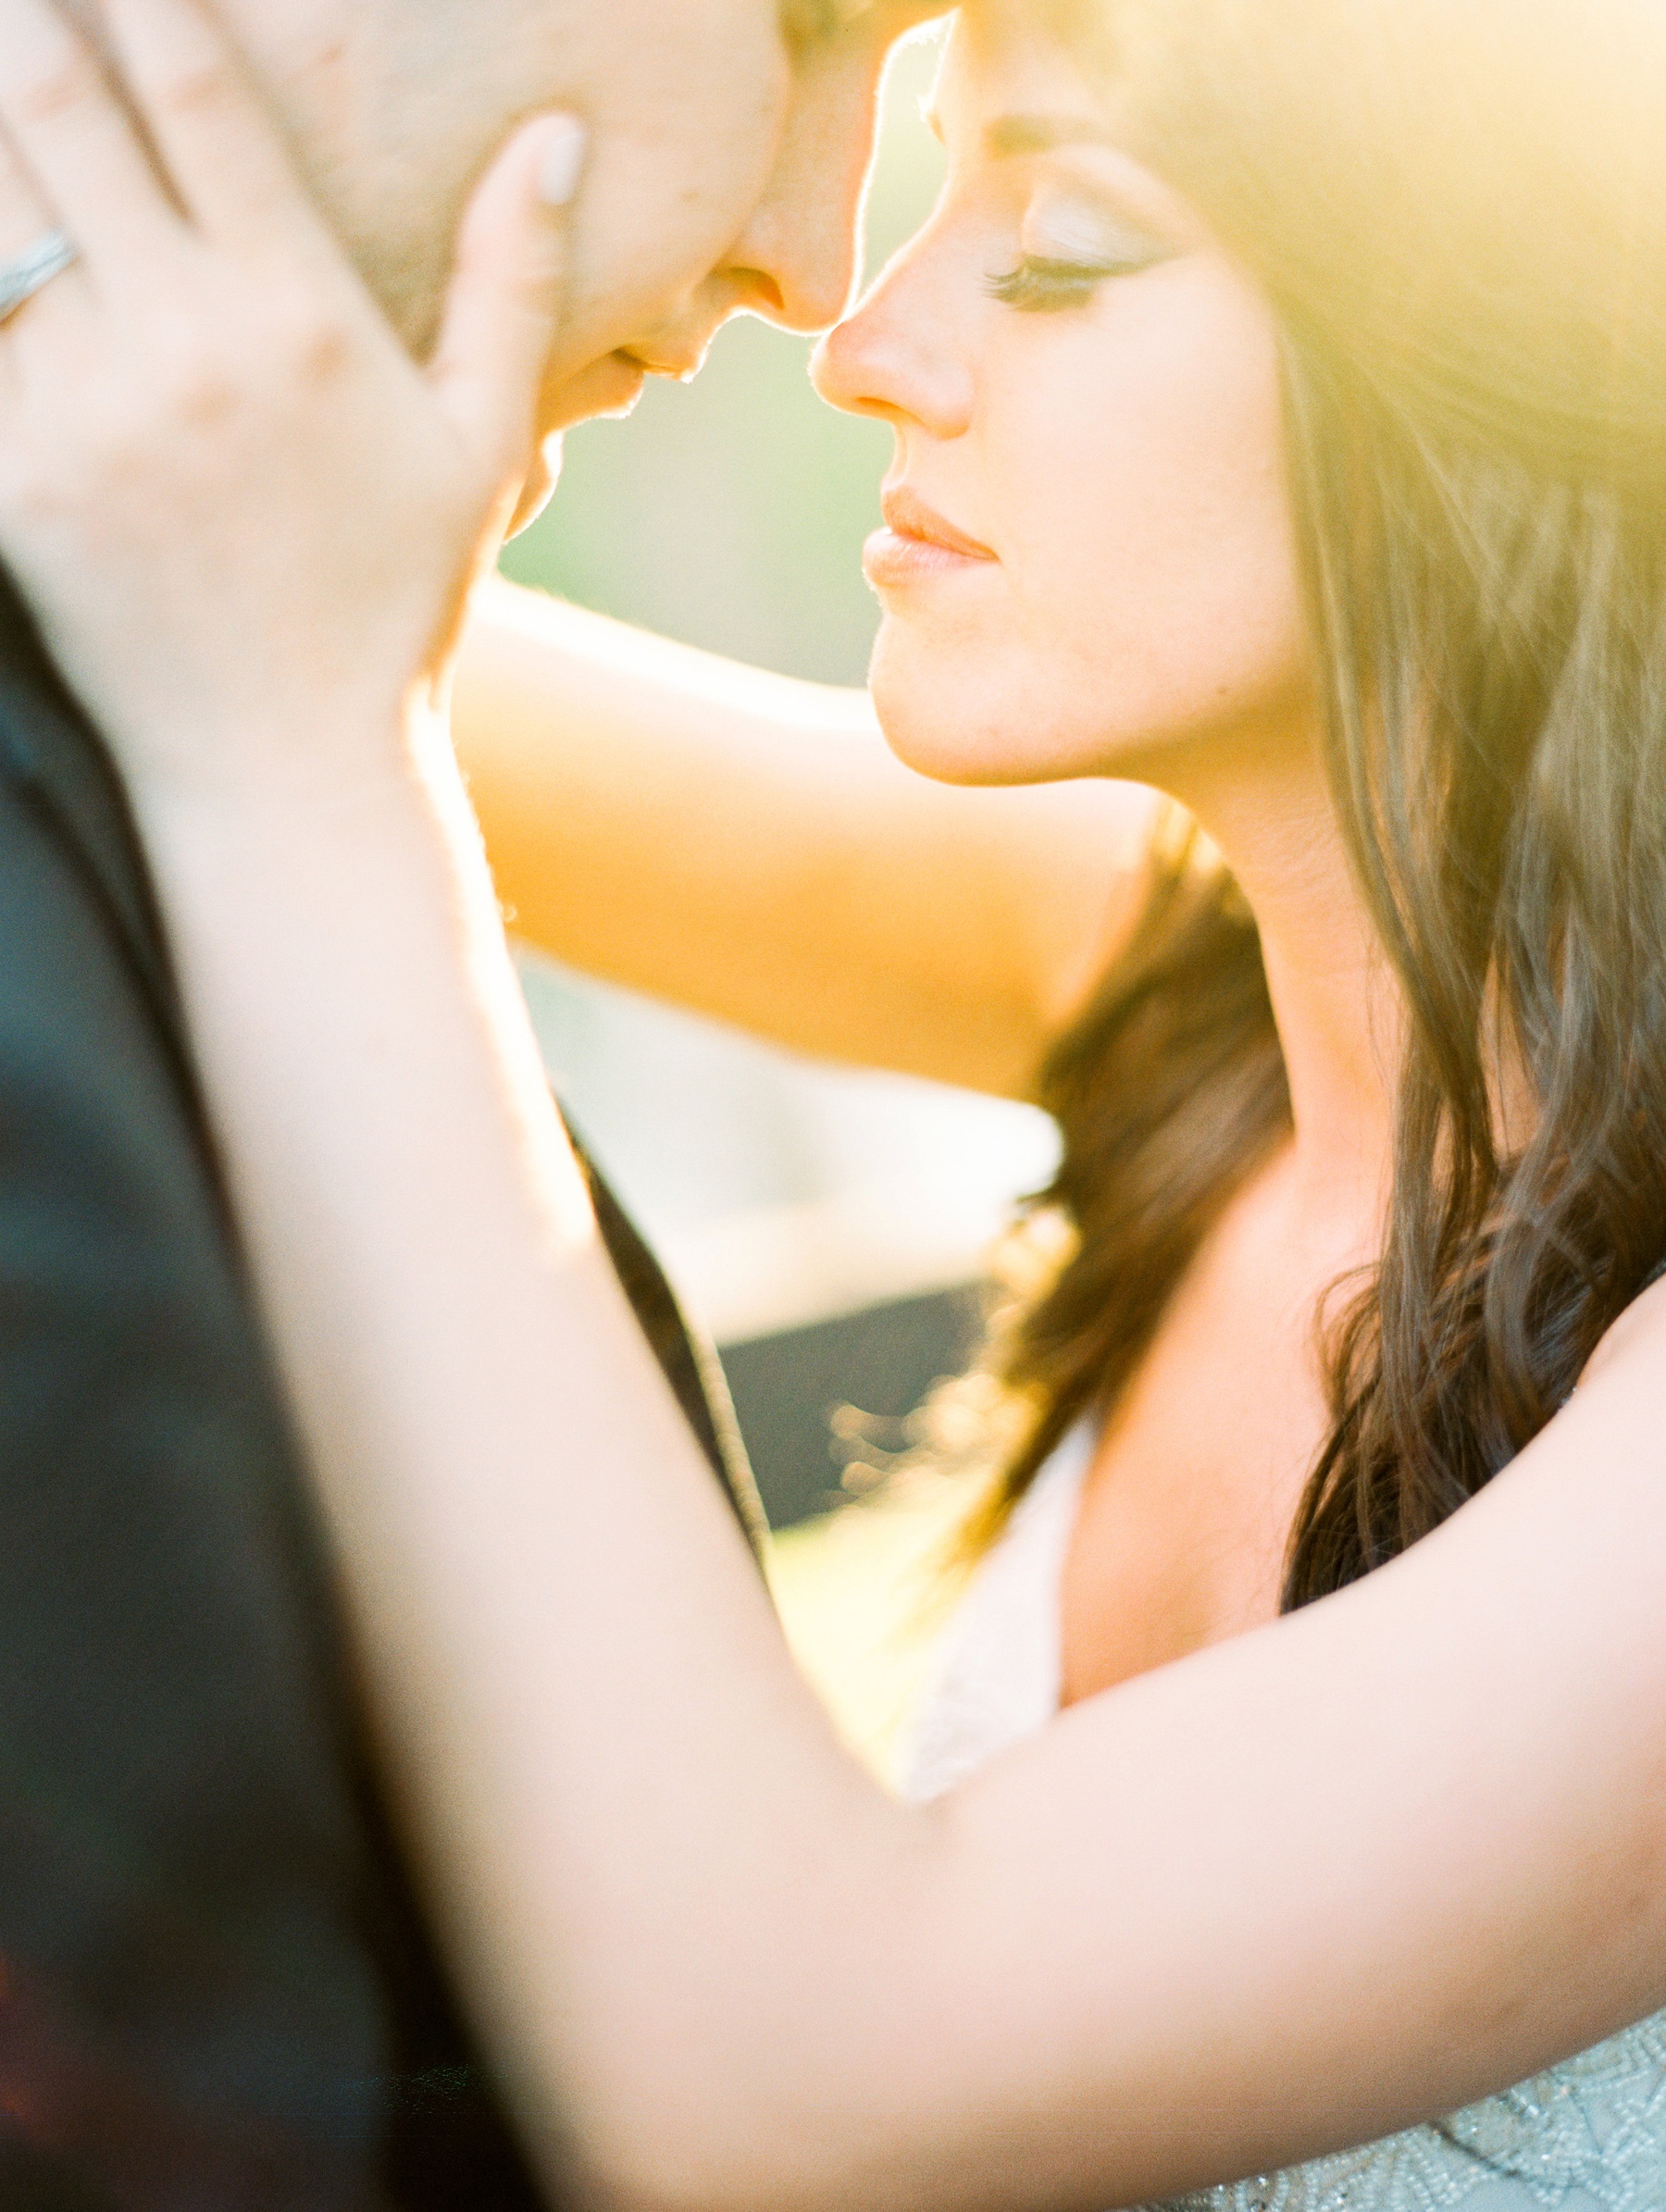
[(1091, 561)]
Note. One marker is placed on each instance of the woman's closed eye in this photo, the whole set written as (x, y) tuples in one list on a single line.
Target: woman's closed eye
[(1070, 248), (1040, 284)]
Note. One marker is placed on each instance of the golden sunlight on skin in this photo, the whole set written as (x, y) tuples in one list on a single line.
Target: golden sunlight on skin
[(1094, 562), (1090, 570), (1309, 1887), (727, 149)]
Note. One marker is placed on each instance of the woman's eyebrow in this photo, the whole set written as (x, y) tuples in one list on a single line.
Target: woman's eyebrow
[(1011, 135)]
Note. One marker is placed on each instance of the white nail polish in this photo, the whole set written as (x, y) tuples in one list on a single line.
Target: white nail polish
[(562, 162)]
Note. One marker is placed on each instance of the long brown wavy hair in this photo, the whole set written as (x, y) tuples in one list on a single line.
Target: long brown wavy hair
[(1458, 211)]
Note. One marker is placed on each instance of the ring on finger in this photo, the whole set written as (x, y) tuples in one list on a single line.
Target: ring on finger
[(31, 272)]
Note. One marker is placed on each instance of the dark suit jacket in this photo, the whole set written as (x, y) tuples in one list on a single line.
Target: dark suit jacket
[(217, 1990)]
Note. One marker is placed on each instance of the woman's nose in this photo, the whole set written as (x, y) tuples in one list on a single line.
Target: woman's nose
[(895, 357)]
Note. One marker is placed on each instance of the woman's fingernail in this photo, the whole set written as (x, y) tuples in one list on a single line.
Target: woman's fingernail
[(562, 161)]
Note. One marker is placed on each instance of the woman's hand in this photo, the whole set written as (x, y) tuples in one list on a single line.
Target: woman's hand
[(245, 518)]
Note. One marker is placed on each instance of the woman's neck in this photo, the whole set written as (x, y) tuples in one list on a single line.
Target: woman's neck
[(1335, 998)]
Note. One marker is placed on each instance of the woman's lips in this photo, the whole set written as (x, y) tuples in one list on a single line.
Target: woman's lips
[(918, 542)]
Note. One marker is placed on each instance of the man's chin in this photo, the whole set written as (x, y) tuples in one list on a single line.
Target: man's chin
[(609, 387), (539, 490)]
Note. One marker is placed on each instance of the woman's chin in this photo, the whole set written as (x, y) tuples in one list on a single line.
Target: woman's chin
[(950, 748), (940, 720), (962, 716)]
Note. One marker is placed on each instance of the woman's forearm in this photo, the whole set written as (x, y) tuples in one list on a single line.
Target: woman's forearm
[(748, 845), (464, 1365), (1254, 1906)]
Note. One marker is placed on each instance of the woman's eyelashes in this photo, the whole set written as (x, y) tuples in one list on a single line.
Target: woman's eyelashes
[(1069, 250), (1039, 283)]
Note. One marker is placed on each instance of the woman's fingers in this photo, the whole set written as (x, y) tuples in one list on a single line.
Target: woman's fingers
[(229, 410), (26, 216), (27, 223), (223, 153), (506, 295), (70, 130)]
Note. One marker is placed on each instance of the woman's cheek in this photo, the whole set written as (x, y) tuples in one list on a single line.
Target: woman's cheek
[(1144, 461), (1088, 469)]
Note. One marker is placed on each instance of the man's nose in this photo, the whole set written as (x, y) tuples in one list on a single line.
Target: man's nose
[(804, 277), (795, 262)]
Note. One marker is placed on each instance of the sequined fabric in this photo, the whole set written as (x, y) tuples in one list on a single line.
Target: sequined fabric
[(1587, 2136)]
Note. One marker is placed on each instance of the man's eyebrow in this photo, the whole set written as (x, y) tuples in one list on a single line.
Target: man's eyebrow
[(1010, 135)]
